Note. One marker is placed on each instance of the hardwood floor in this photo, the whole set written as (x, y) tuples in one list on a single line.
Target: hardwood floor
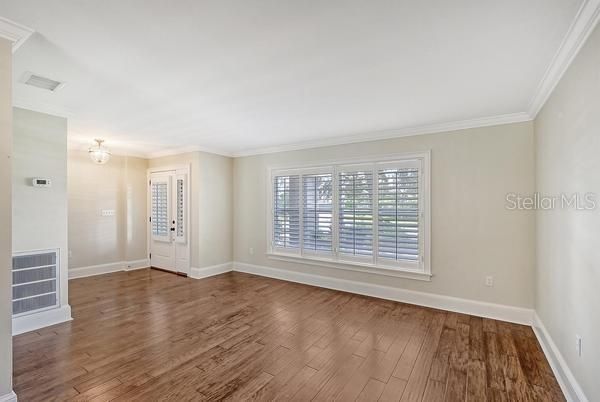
[(150, 335)]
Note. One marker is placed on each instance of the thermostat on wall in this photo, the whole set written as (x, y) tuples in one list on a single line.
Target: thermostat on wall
[(40, 182)]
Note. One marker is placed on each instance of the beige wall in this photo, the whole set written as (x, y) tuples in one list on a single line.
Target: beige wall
[(40, 214), (5, 217), (135, 199), (473, 235), (568, 254), (215, 206), (119, 185), (211, 189)]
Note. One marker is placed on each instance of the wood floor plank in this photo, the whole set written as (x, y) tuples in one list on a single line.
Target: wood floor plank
[(420, 372), (372, 391), (434, 391), (393, 390), (150, 335), (476, 381)]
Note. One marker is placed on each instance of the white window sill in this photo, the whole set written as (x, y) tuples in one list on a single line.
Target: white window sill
[(352, 266)]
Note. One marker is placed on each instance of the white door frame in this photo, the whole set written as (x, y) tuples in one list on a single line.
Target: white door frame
[(187, 169)]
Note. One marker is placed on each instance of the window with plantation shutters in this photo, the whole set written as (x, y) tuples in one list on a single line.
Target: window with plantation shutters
[(286, 212), (355, 213), (373, 215), (317, 212), (398, 214)]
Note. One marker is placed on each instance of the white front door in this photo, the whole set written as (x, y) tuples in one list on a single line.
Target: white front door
[(169, 246)]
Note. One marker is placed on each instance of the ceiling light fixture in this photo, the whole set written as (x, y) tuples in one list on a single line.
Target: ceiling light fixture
[(98, 153)]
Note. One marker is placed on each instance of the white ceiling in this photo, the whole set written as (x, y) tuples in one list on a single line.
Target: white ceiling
[(233, 76)]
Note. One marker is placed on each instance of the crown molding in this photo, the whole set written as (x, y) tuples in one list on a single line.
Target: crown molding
[(42, 108), (15, 33), (80, 147), (389, 134), (84, 148), (363, 137), (187, 149), (582, 26)]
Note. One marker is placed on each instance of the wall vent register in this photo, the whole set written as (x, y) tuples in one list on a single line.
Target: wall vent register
[(35, 281)]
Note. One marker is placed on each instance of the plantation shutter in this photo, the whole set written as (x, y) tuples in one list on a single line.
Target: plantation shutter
[(317, 212), (286, 212), (355, 215), (160, 213), (398, 214), (181, 199)]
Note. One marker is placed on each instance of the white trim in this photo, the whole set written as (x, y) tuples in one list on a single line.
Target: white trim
[(473, 307), (185, 150), (569, 385), (397, 133), (16, 33), (351, 266), (46, 109), (136, 264), (82, 272), (10, 397), (350, 139), (31, 322), (205, 272), (84, 148), (582, 26)]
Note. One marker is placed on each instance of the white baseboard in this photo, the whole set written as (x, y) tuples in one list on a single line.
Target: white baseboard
[(482, 309), (10, 397), (205, 272), (31, 322), (83, 272), (569, 385)]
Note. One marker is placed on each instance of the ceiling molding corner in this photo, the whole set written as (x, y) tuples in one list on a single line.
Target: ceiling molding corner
[(41, 108), (585, 21), (390, 134), (83, 148), (15, 33), (184, 150)]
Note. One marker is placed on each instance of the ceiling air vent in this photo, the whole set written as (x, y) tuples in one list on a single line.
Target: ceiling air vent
[(42, 82)]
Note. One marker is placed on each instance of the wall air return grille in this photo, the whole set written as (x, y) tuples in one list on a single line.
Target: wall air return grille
[(41, 82), (35, 281)]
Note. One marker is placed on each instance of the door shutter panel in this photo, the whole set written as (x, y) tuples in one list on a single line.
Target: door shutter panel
[(180, 200), (160, 208)]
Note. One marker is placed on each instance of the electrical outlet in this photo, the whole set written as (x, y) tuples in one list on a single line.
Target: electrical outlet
[(251, 251), (489, 281), (578, 345), (108, 212), (70, 253)]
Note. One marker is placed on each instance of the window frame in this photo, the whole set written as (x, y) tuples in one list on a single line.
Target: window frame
[(421, 270)]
